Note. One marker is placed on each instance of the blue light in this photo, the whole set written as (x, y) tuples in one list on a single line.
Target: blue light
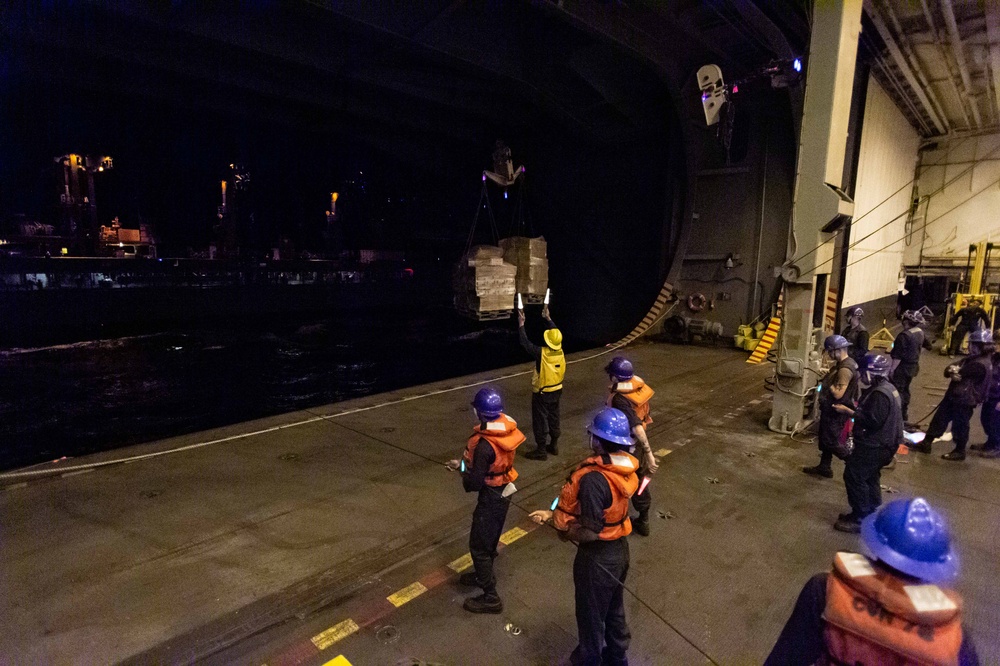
[(555, 503), (505, 194), (797, 65)]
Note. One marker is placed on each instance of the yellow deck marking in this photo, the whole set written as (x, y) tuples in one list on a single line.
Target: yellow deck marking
[(461, 564), (767, 340), (335, 633), (408, 593), (341, 660), (663, 452), (511, 535)]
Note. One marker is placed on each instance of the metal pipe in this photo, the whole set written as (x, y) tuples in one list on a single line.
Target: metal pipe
[(915, 62), (993, 38), (963, 68), (903, 65), (929, 17), (753, 310)]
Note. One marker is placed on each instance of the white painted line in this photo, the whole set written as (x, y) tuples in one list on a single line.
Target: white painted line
[(77, 473), (67, 471)]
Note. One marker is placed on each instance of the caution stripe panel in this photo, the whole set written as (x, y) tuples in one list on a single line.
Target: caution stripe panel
[(766, 341)]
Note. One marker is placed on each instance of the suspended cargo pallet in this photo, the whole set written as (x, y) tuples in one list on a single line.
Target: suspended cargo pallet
[(529, 256), (485, 315), (485, 284)]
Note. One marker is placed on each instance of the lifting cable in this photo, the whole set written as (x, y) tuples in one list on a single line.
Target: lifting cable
[(932, 194), (926, 224), (483, 196), (891, 196)]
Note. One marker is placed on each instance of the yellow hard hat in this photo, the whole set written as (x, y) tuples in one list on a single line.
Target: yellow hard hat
[(553, 338)]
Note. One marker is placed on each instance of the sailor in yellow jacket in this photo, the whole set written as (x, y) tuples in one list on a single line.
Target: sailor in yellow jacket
[(546, 386)]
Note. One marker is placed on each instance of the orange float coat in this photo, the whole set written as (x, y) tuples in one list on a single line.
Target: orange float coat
[(638, 393), (503, 435), (620, 471), (876, 617)]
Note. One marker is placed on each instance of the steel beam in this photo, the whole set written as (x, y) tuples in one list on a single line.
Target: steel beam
[(833, 49), (903, 65), (904, 42), (993, 37), (959, 55)]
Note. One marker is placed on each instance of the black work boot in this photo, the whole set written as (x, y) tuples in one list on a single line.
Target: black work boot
[(553, 447), (485, 603), (537, 454), (922, 447), (979, 447), (819, 470), (955, 455), (641, 524), (469, 579), (849, 524)]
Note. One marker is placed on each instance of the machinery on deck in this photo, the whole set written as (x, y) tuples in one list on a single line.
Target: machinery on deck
[(976, 270)]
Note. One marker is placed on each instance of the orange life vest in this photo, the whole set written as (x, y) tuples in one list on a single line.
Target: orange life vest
[(638, 393), (619, 469), (504, 437), (873, 616)]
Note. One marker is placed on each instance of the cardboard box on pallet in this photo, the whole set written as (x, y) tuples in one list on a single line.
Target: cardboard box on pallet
[(529, 255), (484, 282)]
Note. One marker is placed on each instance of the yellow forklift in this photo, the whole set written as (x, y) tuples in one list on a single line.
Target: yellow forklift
[(976, 270)]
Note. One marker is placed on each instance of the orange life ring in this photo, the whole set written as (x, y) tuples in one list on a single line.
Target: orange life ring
[(697, 302)]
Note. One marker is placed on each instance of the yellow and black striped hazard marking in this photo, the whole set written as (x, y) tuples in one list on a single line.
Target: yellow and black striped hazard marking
[(651, 317), (766, 342)]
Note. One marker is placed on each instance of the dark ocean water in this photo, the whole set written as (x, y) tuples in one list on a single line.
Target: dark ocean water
[(68, 400)]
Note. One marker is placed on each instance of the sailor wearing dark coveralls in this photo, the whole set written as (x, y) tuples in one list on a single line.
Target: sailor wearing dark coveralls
[(838, 386), (592, 510), (906, 356), (989, 414), (878, 432), (969, 318), (630, 394), (546, 386), (857, 335), (487, 467), (970, 382)]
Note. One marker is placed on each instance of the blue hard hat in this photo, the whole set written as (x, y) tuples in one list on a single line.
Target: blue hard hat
[(910, 536), (982, 336), (620, 368), (488, 403), (833, 342), (915, 316), (877, 364), (611, 425)]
